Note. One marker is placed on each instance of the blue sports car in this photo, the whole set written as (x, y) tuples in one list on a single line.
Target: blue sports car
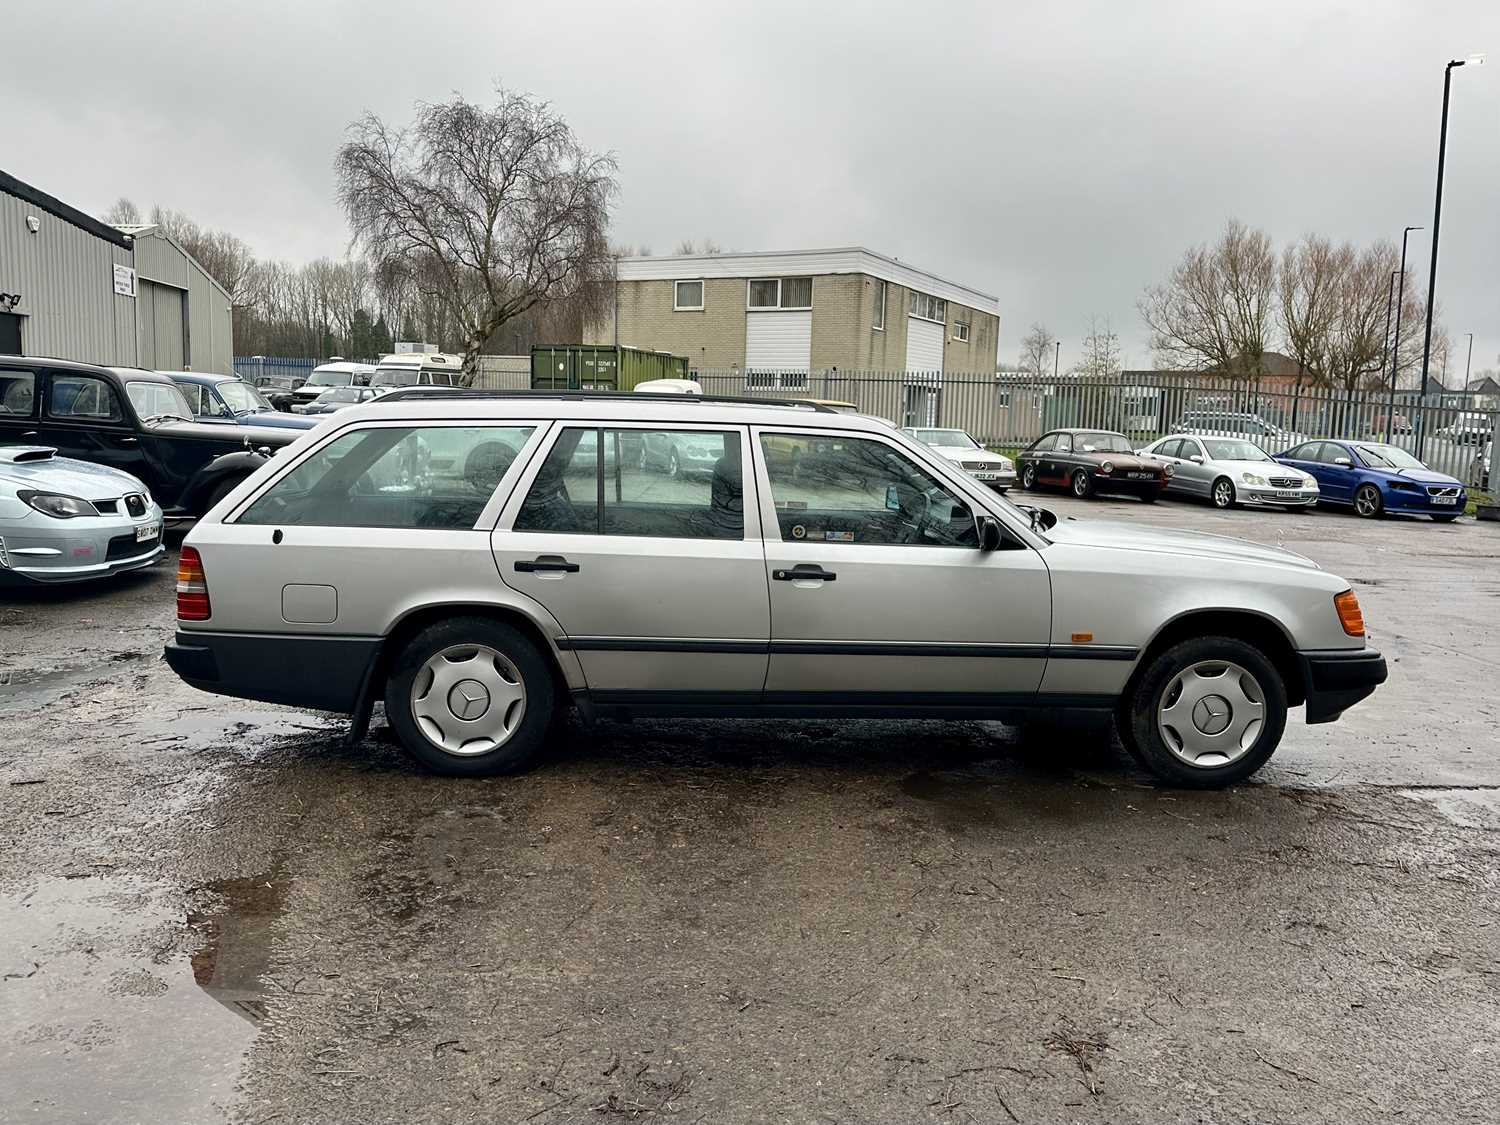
[(1375, 478)]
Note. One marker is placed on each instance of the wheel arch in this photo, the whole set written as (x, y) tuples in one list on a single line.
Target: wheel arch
[(1248, 625)]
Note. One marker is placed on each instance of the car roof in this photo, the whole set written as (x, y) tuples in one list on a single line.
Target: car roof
[(141, 375), (609, 407), (203, 378), (1084, 430), (50, 361)]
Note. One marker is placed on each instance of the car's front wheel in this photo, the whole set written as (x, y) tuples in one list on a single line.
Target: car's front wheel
[(1206, 713), (1367, 501), (1082, 485), (471, 697)]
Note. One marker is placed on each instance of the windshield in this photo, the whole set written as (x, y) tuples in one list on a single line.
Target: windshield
[(155, 401), (947, 437), (1387, 457), (321, 378), (242, 398), (1101, 443), (395, 377), (1229, 449)]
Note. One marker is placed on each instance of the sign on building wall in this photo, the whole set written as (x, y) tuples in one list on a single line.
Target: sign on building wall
[(124, 281)]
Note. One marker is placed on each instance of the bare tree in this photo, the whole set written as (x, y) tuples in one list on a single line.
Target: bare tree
[(490, 211), (1354, 353), (227, 259), (693, 247), (1101, 351), (123, 213), (1308, 292), (1037, 350), (1216, 310)]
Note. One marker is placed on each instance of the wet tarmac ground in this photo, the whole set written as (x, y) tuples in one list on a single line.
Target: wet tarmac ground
[(211, 910)]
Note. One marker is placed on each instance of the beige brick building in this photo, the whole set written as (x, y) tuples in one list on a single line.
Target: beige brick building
[(777, 316)]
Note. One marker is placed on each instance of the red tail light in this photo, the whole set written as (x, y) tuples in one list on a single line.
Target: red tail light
[(192, 587)]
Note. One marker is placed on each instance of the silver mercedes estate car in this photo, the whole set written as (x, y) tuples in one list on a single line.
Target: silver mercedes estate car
[(478, 560)]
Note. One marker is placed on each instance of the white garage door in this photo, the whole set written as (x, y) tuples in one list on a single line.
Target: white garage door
[(924, 345), (778, 348)]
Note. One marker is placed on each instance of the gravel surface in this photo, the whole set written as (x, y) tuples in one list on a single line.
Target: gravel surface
[(211, 910)]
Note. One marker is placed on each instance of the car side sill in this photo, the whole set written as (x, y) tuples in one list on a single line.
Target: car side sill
[(852, 705)]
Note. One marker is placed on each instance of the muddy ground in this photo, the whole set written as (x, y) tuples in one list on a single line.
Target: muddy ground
[(212, 910)]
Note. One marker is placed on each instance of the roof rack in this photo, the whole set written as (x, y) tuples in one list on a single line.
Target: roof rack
[(438, 392)]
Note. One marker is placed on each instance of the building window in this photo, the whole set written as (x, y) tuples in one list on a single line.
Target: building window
[(687, 296), (780, 293), (880, 296), (960, 331), (926, 307)]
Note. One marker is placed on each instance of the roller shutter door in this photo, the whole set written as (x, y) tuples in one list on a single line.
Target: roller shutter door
[(924, 345), (778, 348), (163, 336)]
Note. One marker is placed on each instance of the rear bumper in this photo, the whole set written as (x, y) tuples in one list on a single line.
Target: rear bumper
[(321, 673), (1337, 679)]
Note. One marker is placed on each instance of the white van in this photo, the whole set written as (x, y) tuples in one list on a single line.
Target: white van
[(669, 387), (336, 373), (417, 369)]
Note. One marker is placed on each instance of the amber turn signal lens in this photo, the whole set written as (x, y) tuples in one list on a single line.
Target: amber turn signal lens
[(1350, 616)]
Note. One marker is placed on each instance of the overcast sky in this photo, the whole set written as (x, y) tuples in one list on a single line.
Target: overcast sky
[(1059, 155)]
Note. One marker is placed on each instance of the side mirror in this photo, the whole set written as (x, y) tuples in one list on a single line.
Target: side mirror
[(1196, 458), (1343, 462), (990, 536)]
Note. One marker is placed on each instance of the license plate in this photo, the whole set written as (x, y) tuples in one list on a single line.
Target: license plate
[(1140, 476), (1448, 501), (1288, 494), (987, 476), (146, 533)]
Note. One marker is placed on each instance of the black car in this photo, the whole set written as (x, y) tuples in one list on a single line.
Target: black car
[(1089, 461), (133, 420)]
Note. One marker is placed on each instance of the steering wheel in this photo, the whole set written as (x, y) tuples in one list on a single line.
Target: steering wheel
[(914, 527)]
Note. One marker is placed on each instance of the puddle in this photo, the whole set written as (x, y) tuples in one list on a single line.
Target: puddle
[(116, 1011), (1467, 808)]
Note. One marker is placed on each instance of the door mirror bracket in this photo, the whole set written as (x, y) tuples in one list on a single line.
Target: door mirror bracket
[(991, 537)]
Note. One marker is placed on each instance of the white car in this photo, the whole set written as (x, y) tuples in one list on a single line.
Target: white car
[(995, 470), (63, 520), (1229, 471), (669, 387)]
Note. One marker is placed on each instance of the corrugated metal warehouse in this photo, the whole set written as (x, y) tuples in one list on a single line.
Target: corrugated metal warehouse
[(76, 288)]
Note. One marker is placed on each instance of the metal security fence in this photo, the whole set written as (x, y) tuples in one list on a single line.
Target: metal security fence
[(1449, 432), (280, 372)]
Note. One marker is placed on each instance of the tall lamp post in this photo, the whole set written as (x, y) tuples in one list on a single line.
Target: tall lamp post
[(1468, 360), (1390, 413), (1437, 218), (1056, 357)]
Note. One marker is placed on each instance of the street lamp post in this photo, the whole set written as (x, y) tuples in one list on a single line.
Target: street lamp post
[(1390, 297), (1469, 360), (1056, 356), (1437, 218), (1396, 344)]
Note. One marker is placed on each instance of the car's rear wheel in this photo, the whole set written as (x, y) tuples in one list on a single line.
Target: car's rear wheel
[(1082, 485), (1223, 493), (1028, 478), (1206, 713), (1367, 501), (471, 697)]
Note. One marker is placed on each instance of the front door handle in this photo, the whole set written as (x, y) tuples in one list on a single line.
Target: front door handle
[(545, 563), (804, 572)]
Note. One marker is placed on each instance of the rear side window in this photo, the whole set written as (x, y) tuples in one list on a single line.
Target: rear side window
[(18, 393), (413, 477), (675, 484), (83, 396)]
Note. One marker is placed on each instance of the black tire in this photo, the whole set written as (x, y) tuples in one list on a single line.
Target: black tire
[(1446, 517), (1139, 711), (1374, 506), (1151, 496), (529, 738), (1028, 478), (1221, 493), (1083, 485)]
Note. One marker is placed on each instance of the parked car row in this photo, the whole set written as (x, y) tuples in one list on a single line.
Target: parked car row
[(1371, 477)]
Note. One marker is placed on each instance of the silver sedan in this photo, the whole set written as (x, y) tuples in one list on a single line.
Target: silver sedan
[(1231, 471), (63, 520)]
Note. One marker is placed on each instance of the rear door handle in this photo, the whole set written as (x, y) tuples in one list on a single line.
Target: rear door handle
[(803, 572), (547, 563)]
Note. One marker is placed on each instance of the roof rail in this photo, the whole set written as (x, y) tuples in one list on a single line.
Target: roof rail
[(438, 392)]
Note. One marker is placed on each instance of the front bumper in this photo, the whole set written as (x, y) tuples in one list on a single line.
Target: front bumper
[(1258, 495), (1424, 503), (321, 673), (1337, 679), (76, 550)]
